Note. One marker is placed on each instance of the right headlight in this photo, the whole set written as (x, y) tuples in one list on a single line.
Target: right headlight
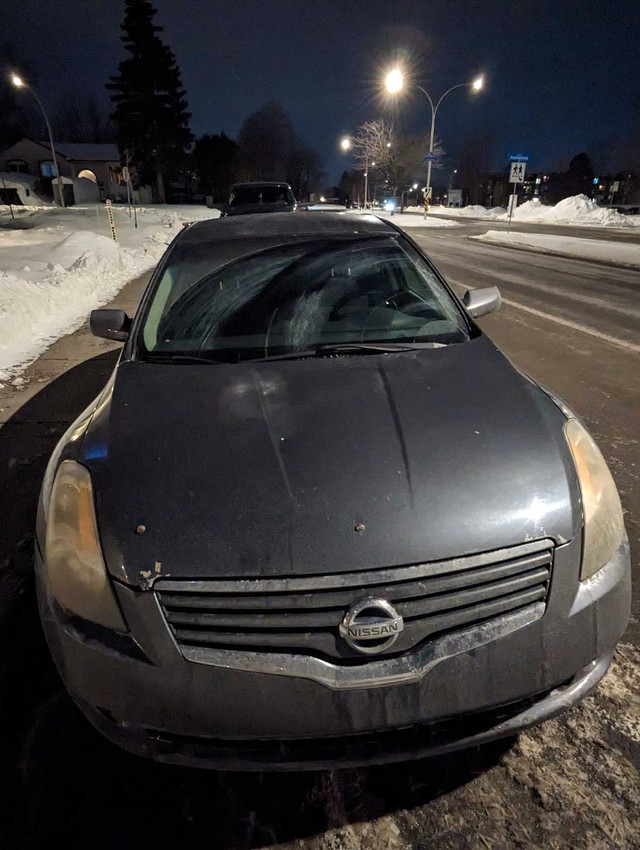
[(76, 572), (603, 521)]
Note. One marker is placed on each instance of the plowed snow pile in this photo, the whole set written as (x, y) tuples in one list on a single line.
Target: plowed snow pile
[(62, 263), (578, 210)]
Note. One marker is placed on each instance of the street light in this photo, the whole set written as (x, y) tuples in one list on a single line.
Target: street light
[(394, 82), (19, 83), (346, 144)]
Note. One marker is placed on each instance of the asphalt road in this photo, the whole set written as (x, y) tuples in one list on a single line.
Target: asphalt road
[(574, 326)]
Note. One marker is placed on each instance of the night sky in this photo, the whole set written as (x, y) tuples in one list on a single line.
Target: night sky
[(562, 75)]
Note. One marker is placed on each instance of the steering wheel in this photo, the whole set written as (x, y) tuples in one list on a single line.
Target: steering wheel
[(392, 300)]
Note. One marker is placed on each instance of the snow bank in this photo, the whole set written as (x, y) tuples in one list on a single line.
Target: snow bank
[(413, 220), (472, 211), (616, 253), (54, 274), (578, 210), (407, 219)]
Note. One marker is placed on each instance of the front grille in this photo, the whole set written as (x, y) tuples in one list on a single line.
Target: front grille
[(302, 615)]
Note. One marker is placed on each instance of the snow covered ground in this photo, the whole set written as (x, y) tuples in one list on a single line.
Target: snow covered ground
[(56, 265), (578, 210), (617, 253), (406, 220), (472, 211)]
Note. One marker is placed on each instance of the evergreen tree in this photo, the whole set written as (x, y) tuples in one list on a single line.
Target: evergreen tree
[(579, 178), (216, 161), (150, 112)]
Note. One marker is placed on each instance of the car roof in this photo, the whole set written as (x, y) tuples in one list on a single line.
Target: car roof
[(278, 228)]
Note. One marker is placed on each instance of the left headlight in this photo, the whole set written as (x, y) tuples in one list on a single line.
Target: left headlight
[(76, 572), (603, 521)]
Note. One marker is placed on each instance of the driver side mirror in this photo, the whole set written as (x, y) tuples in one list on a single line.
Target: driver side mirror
[(479, 302), (110, 324)]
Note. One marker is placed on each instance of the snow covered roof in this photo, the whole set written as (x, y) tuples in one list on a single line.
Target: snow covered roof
[(85, 151)]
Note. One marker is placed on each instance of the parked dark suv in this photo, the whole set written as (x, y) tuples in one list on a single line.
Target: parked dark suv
[(248, 198)]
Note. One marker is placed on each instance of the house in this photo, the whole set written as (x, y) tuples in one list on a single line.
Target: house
[(92, 171)]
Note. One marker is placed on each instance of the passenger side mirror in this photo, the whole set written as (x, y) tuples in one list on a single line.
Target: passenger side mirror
[(110, 324), (479, 302)]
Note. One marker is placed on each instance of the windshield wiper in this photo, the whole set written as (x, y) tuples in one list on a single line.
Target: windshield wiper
[(347, 348), (326, 350), (182, 358)]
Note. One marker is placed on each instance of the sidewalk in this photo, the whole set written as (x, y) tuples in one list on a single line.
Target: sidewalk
[(35, 410), (605, 252)]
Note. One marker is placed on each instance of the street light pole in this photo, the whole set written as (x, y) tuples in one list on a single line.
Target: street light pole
[(366, 180), (476, 85), (455, 171), (19, 83), (395, 83)]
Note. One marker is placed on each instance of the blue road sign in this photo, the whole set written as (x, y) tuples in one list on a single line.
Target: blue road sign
[(431, 157), (518, 157)]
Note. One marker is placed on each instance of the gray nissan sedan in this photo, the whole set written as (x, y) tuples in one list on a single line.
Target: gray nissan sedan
[(317, 519)]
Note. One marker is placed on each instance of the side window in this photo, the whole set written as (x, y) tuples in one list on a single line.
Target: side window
[(47, 168), (18, 166)]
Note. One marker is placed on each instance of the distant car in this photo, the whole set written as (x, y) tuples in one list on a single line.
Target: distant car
[(250, 198), (391, 204), (317, 519), (626, 209)]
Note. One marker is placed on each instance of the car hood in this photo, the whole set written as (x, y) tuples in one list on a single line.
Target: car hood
[(325, 465)]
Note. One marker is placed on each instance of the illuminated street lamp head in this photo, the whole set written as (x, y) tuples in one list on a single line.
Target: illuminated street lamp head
[(415, 186), (345, 143), (478, 83), (17, 81), (394, 81)]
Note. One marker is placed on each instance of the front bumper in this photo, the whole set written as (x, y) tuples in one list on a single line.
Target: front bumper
[(145, 696)]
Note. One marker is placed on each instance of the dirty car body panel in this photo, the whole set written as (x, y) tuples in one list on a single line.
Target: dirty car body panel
[(246, 507)]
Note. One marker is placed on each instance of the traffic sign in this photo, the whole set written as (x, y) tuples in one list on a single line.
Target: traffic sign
[(125, 174), (431, 157), (518, 157), (516, 172)]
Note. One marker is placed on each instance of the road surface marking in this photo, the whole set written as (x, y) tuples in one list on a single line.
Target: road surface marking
[(572, 295), (622, 343), (576, 326)]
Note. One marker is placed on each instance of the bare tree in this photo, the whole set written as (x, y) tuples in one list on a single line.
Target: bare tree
[(399, 160), (82, 118)]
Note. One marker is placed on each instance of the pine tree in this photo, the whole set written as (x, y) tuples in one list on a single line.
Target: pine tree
[(151, 112)]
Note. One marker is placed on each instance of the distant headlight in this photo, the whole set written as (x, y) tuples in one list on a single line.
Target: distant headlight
[(603, 521), (75, 569)]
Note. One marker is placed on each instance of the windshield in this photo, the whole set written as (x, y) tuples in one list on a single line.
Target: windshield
[(299, 297), (279, 195)]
